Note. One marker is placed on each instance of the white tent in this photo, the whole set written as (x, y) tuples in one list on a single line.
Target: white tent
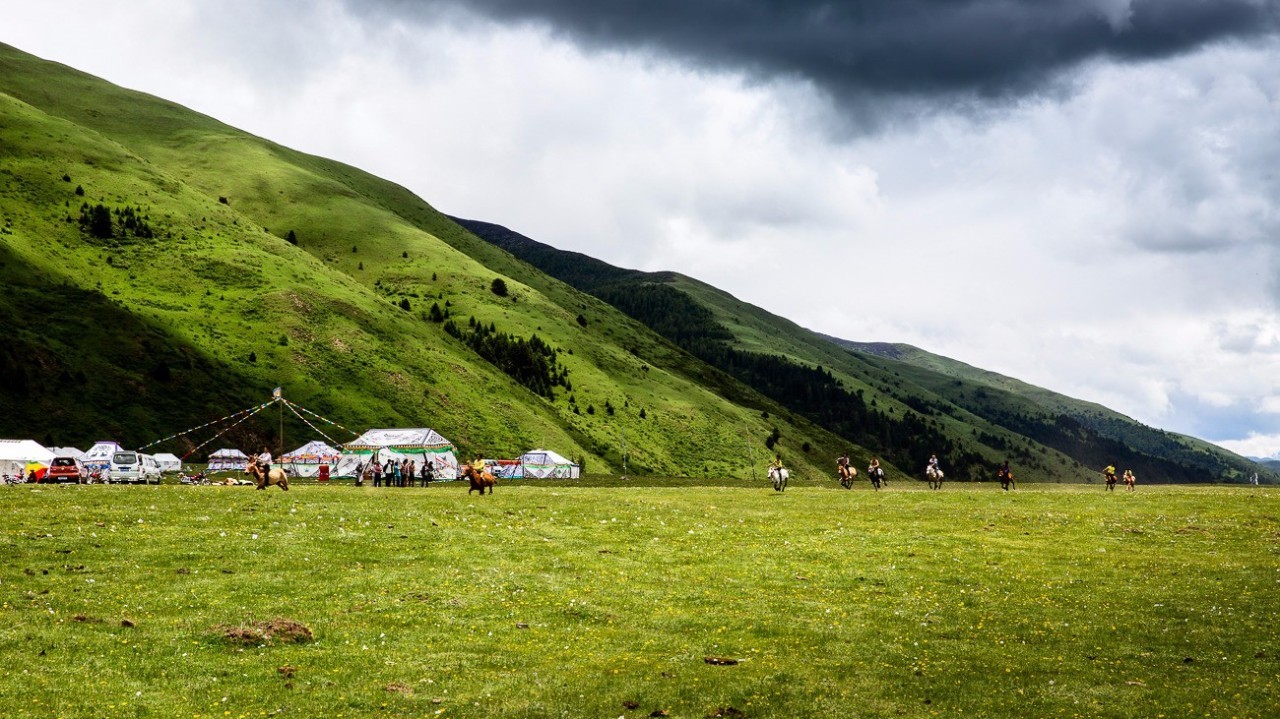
[(99, 456), (16, 453), (66, 452), (545, 464), (228, 459), (419, 445), (169, 462), (305, 461)]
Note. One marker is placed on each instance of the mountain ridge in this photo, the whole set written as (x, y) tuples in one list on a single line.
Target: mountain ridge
[(170, 268)]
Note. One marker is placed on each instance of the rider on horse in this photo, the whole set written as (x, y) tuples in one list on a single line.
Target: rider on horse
[(842, 464), (1110, 474)]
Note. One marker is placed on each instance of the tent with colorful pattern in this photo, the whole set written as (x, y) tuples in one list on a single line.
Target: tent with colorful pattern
[(20, 456), (227, 460), (420, 445), (305, 461), (545, 464)]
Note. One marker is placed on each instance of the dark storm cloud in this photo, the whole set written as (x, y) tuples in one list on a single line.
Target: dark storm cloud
[(885, 47)]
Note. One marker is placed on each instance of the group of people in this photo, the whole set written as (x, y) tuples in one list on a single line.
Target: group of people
[(391, 473), (1109, 474), (847, 472)]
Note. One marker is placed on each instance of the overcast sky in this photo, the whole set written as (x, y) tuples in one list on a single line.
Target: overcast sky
[(1082, 194)]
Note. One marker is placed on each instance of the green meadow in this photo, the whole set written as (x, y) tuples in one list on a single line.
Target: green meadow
[(662, 598)]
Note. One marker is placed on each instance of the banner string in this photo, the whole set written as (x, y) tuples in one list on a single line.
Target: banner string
[(206, 424), (256, 410), (308, 423)]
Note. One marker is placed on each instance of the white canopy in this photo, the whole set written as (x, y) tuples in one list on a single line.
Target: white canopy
[(420, 445), (15, 453), (99, 455), (228, 459), (545, 464), (66, 452), (305, 461), (168, 462)]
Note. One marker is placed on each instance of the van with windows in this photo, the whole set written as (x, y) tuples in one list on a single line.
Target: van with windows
[(133, 468)]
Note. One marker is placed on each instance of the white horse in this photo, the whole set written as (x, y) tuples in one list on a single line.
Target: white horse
[(935, 476), (779, 477)]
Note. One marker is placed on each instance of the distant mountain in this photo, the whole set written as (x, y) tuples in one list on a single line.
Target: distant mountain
[(895, 400), (163, 270)]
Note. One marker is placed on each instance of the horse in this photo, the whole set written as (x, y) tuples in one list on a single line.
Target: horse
[(1111, 482), (1006, 479), (479, 480), (935, 476), (876, 475), (779, 477), (1129, 480), (276, 476), (846, 475)]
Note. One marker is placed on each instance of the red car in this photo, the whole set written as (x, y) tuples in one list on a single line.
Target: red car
[(64, 469)]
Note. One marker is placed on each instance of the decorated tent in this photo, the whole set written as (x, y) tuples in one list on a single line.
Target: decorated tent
[(19, 456), (418, 445), (169, 462), (505, 468), (98, 458), (225, 460), (305, 461), (545, 464)]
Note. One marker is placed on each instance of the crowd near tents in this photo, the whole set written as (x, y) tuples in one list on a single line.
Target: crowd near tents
[(423, 446), (379, 445)]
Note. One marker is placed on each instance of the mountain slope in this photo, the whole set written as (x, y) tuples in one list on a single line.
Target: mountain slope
[(871, 393), (175, 269)]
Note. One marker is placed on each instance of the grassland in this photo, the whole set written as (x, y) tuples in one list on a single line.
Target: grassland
[(573, 600)]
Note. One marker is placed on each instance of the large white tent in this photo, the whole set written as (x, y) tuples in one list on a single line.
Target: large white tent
[(305, 461), (545, 464), (225, 460), (15, 454), (419, 445), (99, 456), (168, 462)]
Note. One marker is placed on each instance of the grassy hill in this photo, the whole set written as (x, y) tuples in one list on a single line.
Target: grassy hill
[(166, 269), (894, 400)]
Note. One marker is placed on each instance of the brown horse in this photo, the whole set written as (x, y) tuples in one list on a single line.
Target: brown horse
[(846, 474), (479, 480), (276, 476)]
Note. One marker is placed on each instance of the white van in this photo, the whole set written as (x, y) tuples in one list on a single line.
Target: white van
[(133, 467)]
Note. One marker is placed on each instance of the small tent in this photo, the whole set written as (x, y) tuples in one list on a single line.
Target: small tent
[(19, 456), (66, 452), (169, 462), (226, 460), (545, 464), (419, 445), (98, 458), (305, 461)]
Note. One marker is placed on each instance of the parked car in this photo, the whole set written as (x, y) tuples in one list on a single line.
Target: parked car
[(133, 467), (65, 469)]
